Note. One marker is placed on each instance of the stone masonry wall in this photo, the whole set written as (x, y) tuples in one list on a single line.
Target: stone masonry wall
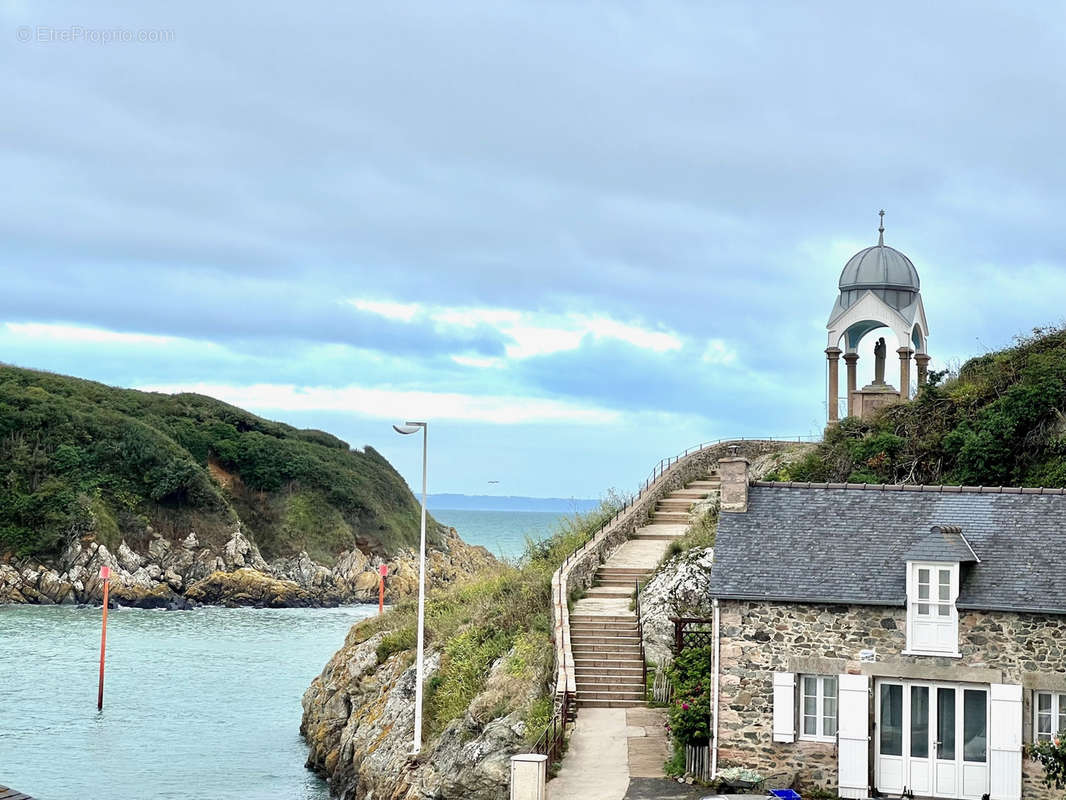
[(758, 639)]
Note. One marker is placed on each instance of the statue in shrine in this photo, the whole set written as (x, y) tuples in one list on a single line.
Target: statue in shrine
[(879, 362)]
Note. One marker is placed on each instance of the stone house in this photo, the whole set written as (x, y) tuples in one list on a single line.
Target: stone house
[(889, 639)]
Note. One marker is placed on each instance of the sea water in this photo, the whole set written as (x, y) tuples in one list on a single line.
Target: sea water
[(202, 703), (503, 533)]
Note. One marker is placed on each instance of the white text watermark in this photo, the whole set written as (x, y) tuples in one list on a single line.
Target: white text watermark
[(76, 34)]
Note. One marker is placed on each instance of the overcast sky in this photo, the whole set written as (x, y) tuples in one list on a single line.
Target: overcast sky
[(576, 237)]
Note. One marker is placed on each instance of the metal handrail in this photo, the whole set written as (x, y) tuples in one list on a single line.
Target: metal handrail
[(640, 633)]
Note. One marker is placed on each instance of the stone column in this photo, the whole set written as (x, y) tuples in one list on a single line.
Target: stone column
[(833, 354), (851, 359), (922, 360), (904, 373)]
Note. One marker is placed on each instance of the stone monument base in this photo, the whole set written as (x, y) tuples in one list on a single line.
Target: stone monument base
[(868, 399)]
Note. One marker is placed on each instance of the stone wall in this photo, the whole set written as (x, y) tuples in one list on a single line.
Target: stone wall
[(758, 639), (579, 573)]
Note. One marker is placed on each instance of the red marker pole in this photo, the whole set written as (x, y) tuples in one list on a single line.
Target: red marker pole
[(105, 573), (382, 572)]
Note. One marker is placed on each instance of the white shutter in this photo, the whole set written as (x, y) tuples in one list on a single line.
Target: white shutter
[(1005, 742), (784, 706), (853, 735)]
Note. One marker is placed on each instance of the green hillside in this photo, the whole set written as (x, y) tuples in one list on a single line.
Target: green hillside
[(1001, 421), (77, 456)]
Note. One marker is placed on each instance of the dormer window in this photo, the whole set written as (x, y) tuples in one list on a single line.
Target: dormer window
[(933, 569), (932, 619)]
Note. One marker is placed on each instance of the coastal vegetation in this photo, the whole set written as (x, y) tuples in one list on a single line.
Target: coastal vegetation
[(502, 613), (78, 456), (998, 420)]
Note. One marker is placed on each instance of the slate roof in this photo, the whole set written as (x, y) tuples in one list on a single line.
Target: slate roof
[(846, 543), (942, 543)]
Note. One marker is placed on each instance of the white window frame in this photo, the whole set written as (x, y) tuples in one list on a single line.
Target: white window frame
[(820, 695), (933, 603), (1058, 714)]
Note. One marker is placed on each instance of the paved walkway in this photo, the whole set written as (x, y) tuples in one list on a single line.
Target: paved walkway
[(608, 746)]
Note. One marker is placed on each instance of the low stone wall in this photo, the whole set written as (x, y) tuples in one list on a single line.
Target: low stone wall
[(760, 638), (580, 571)]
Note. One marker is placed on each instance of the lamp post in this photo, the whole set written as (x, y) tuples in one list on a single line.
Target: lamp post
[(408, 428)]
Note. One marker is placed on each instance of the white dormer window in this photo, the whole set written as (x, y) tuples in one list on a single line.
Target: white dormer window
[(932, 618)]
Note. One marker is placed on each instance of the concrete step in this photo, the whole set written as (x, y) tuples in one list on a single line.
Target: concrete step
[(661, 537), (622, 691), (614, 654), (683, 503), (704, 485), (603, 638), (619, 582), (636, 572), (597, 695), (679, 517), (690, 494), (608, 591), (595, 662), (611, 703), (623, 626), (633, 677), (606, 653), (597, 618)]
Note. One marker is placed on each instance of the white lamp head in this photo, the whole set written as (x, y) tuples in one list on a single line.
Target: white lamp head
[(410, 427)]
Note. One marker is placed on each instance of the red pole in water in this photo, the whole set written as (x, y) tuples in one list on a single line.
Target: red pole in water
[(382, 572), (105, 573)]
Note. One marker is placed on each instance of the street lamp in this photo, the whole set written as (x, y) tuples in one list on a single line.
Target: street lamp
[(408, 428)]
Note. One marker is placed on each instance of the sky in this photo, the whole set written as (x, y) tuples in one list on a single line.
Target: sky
[(574, 237)]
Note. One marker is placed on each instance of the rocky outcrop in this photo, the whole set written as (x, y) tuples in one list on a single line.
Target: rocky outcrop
[(358, 721), (173, 573), (679, 589)]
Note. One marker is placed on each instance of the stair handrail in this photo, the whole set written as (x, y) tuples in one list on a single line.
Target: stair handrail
[(640, 635)]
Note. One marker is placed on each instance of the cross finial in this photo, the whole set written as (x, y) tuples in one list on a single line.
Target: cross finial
[(881, 230)]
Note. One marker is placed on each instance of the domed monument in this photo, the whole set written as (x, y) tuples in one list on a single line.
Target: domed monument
[(879, 288)]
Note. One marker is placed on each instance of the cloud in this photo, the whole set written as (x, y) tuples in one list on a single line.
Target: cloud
[(385, 403)]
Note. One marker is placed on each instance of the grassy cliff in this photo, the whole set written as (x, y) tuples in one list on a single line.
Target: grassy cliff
[(1001, 420), (79, 456)]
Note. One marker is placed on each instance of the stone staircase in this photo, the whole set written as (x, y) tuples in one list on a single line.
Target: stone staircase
[(604, 635)]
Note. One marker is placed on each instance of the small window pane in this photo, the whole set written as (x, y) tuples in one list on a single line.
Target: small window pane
[(923, 591), (945, 723), (944, 611), (891, 719), (1043, 702), (974, 725), (945, 586), (829, 707), (919, 722), (1044, 716), (923, 609), (810, 725)]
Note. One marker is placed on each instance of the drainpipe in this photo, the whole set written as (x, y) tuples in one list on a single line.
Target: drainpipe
[(714, 692)]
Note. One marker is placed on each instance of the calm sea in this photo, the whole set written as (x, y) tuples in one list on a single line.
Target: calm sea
[(504, 533), (201, 703)]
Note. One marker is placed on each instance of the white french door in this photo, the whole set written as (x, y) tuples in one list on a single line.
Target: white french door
[(932, 739)]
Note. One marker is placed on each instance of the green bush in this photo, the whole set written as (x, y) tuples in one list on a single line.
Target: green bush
[(690, 710), (146, 458), (1000, 421)]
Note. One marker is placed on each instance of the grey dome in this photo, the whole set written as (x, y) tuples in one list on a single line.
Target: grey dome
[(879, 267)]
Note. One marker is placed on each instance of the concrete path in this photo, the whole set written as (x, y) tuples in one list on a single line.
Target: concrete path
[(607, 747), (596, 764)]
